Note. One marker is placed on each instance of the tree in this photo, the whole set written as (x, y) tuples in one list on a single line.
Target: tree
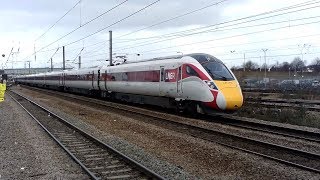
[(284, 66), (297, 64), (249, 65), (316, 64), (264, 66), (233, 68)]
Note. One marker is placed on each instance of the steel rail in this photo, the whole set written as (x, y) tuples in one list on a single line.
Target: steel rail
[(295, 157), (222, 118), (128, 161)]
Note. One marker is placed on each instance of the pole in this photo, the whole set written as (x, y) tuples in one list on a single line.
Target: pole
[(265, 68), (302, 61), (35, 54), (29, 67), (64, 58), (260, 64), (51, 65), (110, 47), (79, 62), (244, 61), (289, 73)]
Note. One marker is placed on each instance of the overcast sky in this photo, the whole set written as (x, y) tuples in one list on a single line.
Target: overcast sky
[(213, 27)]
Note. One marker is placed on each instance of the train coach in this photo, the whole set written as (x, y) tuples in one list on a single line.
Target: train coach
[(194, 83)]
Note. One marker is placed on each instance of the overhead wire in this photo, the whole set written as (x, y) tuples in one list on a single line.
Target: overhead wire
[(88, 22), (291, 20), (77, 55), (189, 30), (218, 29), (54, 54), (251, 50), (181, 33), (270, 56), (173, 18), (58, 20), (136, 12), (132, 14), (245, 34)]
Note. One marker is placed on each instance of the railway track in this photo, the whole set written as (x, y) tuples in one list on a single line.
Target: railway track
[(220, 118), (282, 103), (294, 157), (291, 101), (278, 130), (98, 160)]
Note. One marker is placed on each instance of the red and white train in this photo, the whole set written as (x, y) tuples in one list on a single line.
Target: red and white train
[(194, 82)]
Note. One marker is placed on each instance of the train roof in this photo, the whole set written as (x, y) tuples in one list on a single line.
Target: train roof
[(200, 57)]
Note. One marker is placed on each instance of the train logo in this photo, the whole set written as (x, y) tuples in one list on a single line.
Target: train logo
[(171, 76)]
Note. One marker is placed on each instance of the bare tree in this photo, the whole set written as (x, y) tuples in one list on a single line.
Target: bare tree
[(284, 66), (316, 64), (249, 65), (297, 64)]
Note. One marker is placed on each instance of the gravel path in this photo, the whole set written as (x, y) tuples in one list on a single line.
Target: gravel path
[(27, 152), (143, 142)]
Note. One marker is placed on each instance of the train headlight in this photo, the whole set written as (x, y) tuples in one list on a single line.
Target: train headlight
[(210, 84)]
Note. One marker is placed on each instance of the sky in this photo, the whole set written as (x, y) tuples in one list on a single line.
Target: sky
[(234, 31)]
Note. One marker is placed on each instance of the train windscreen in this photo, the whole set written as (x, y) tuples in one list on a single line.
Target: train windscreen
[(214, 66), (218, 71)]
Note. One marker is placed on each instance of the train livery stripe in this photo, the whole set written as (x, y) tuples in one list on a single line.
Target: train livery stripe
[(136, 76), (170, 75)]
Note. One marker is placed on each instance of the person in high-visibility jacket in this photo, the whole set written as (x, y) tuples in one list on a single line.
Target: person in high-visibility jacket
[(2, 91)]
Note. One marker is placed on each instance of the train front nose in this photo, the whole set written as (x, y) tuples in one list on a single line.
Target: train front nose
[(232, 97), (229, 97)]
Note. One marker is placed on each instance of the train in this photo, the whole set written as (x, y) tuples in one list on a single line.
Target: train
[(194, 83)]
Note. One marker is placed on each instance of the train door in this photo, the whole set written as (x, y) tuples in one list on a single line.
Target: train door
[(59, 80), (162, 81), (92, 79), (105, 80), (179, 81), (98, 80), (63, 79)]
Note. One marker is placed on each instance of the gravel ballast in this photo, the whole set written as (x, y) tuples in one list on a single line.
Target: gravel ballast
[(146, 142), (27, 152)]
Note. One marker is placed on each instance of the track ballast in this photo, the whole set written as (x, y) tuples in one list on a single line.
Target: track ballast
[(97, 159), (294, 157)]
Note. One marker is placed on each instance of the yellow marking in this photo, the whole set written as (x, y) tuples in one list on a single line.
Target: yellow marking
[(232, 93), (2, 91), (226, 84)]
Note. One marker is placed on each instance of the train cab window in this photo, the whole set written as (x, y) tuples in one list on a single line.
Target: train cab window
[(191, 72), (218, 71)]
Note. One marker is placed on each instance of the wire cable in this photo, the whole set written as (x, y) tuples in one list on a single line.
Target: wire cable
[(173, 18), (114, 23), (58, 20), (239, 19), (245, 34), (270, 56), (84, 24), (217, 30), (53, 54)]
